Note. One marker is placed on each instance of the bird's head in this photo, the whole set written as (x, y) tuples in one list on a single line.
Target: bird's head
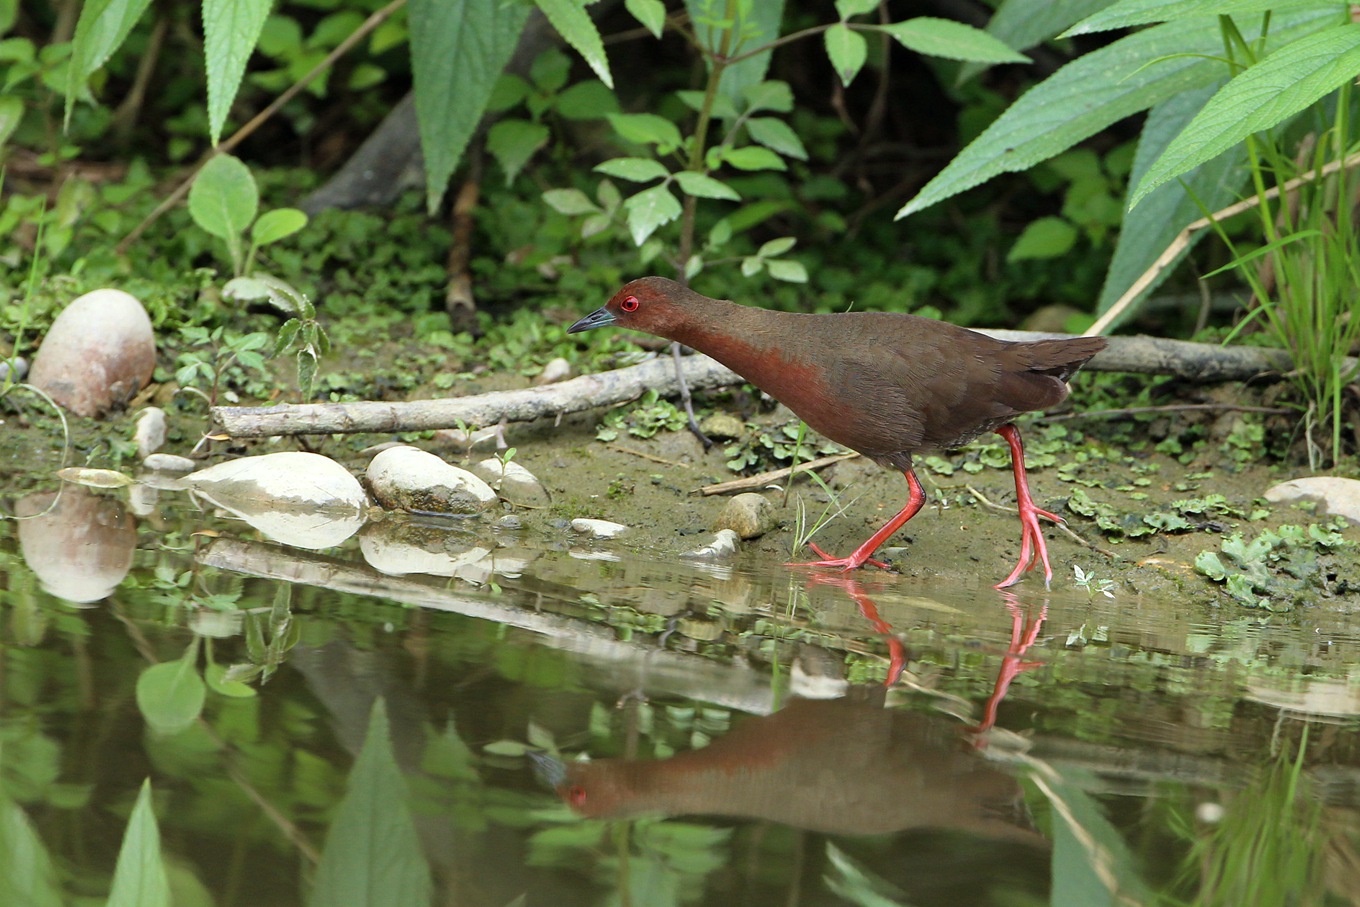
[(653, 305)]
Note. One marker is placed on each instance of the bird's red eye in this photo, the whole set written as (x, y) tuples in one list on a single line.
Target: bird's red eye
[(630, 304), (576, 794)]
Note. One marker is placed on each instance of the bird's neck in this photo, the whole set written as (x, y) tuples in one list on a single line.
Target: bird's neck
[(743, 338)]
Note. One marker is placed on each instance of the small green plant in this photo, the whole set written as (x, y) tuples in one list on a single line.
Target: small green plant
[(649, 416), (1091, 584), (224, 201), (803, 530), (304, 336), (218, 353), (1279, 569)]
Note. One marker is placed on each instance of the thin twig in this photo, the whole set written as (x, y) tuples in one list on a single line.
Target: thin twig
[(646, 456), (765, 478), (371, 23), (1002, 508)]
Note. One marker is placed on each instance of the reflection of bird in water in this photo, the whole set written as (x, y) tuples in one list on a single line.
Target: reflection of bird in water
[(841, 766)]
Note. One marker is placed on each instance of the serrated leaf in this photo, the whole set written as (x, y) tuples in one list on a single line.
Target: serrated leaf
[(570, 202), (645, 129), (769, 95), (650, 13), (1267, 94), (698, 184), (1046, 237), (633, 169), (1089, 94), (848, 8), (1024, 23), (231, 28), (776, 135), (223, 199), (275, 225), (951, 40), (787, 270), (139, 879), (574, 24), (1128, 13), (847, 51), (101, 29), (466, 44), (777, 247), (753, 158), (650, 209), (513, 142)]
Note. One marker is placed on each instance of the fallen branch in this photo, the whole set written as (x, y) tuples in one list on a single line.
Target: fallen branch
[(1143, 355)]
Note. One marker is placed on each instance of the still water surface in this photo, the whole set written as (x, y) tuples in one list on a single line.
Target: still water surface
[(403, 719)]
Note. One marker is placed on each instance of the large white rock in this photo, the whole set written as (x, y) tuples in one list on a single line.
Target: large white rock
[(1337, 496), (99, 353), (410, 479)]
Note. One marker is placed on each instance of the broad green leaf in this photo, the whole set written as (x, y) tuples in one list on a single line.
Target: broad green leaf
[(457, 51), (170, 695), (651, 13), (26, 873), (776, 135), (1151, 227), (777, 247), (753, 158), (847, 51), (550, 70), (772, 95), (646, 129), (787, 270), (1089, 94), (1046, 237), (1127, 13), (722, 108), (513, 142), (574, 24), (11, 112), (570, 202), (951, 40), (275, 225), (372, 856), (1020, 24), (139, 878), (633, 169), (849, 8), (759, 26), (215, 674), (588, 100), (1263, 96), (231, 29), (650, 209), (705, 186), (223, 199), (101, 29)]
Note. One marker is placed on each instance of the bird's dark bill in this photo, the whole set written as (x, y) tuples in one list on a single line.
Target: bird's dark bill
[(596, 319)]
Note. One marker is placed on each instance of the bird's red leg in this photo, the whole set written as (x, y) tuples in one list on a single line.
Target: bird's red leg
[(861, 555), (1031, 539)]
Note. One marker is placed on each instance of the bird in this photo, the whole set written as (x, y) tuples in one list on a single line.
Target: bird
[(886, 384)]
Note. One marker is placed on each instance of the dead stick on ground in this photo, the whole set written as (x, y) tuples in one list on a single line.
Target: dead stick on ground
[(983, 500), (646, 456), (765, 478)]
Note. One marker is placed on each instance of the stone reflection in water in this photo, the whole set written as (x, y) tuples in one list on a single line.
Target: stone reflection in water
[(839, 766), (78, 543)]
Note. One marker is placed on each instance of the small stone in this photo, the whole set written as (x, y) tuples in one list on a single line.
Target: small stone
[(599, 529), (1337, 496), (512, 482), (150, 432), (20, 369), (749, 515), (159, 462), (556, 370), (722, 426), (509, 523), (407, 478), (98, 354), (724, 545)]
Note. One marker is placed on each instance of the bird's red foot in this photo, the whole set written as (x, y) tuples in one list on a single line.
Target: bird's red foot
[(1032, 545), (852, 562)]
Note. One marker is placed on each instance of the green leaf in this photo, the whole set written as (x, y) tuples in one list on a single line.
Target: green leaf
[(849, 8), (786, 270), (847, 51), (633, 169), (588, 100), (1091, 93), (573, 23), (751, 265), (1209, 563), (101, 29), (777, 247), (170, 695), (513, 142), (646, 129), (1047, 237), (705, 186), (550, 70), (951, 40), (723, 108), (275, 225), (772, 95), (758, 24), (1128, 13), (11, 113), (466, 44), (26, 873), (650, 209), (651, 13), (753, 158), (570, 202), (1263, 96), (231, 29), (215, 674), (223, 199), (139, 879), (372, 856), (776, 135)]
